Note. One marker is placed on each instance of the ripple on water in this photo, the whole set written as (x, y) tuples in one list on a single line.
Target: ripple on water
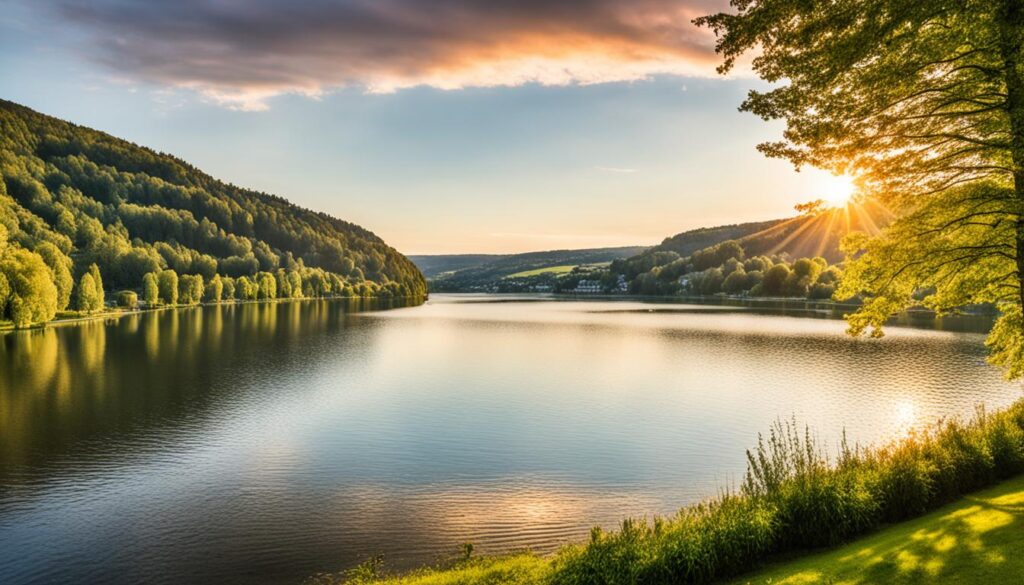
[(267, 442)]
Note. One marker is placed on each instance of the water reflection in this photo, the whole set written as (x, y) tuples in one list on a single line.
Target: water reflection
[(61, 385), (266, 442)]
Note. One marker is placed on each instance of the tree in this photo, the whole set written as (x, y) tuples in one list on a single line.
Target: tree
[(168, 285), (245, 288), (228, 291), (190, 289), (295, 281), (88, 299), (805, 273), (924, 103), (31, 296), (101, 299), (5, 294), (127, 299), (774, 282), (831, 275), (711, 282), (645, 284), (736, 282), (716, 255), (266, 286), (198, 289), (730, 266), (150, 289), (284, 286), (60, 267), (754, 278), (214, 289), (757, 263)]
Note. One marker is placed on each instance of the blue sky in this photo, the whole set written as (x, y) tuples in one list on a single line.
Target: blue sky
[(443, 159)]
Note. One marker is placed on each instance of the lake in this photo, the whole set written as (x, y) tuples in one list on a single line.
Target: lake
[(262, 443)]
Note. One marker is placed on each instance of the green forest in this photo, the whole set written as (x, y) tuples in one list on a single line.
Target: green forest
[(800, 257), (87, 220), (726, 268)]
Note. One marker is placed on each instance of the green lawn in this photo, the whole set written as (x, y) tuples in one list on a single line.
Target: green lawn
[(545, 270), (978, 539)]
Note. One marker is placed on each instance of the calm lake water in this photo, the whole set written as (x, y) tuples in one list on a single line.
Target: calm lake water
[(263, 443)]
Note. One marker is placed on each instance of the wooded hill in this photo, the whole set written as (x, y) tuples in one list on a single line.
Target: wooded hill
[(802, 250), (816, 233), (74, 197)]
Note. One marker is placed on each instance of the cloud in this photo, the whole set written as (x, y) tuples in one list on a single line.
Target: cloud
[(621, 170), (242, 52)]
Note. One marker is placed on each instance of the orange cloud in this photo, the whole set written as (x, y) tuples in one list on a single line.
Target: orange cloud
[(242, 52)]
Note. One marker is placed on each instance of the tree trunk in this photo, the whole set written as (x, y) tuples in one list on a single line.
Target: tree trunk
[(1011, 33)]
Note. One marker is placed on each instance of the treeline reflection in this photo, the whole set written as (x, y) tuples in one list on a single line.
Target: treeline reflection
[(61, 385)]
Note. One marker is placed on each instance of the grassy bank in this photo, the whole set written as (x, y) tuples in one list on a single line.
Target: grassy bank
[(795, 499), (976, 540)]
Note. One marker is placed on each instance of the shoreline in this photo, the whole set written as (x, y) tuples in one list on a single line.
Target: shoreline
[(118, 313), (765, 526)]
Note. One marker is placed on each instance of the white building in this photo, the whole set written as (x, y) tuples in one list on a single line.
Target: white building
[(588, 287), (622, 286)]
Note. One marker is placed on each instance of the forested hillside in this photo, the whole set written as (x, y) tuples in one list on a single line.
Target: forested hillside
[(688, 242), (82, 211), (796, 257)]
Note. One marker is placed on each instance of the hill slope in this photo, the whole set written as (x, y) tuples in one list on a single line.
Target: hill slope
[(809, 235), (131, 211), (688, 242), (434, 265), (461, 272), (735, 259)]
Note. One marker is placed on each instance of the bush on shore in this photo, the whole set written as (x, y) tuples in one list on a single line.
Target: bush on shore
[(128, 299), (794, 498)]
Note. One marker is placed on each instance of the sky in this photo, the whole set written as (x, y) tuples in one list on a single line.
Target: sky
[(444, 126)]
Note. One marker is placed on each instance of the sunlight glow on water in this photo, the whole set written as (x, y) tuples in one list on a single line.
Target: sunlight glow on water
[(264, 443)]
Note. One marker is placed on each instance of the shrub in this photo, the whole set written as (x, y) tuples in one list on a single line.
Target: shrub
[(1006, 444), (795, 498), (904, 479), (127, 299)]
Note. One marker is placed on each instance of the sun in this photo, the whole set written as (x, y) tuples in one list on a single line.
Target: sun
[(835, 190)]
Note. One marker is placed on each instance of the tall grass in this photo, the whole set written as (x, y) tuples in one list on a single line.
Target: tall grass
[(794, 497)]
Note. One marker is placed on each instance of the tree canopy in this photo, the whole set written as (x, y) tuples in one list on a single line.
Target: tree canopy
[(923, 102), (83, 201)]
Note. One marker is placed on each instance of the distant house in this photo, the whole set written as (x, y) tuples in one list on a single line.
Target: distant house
[(622, 286), (588, 287)]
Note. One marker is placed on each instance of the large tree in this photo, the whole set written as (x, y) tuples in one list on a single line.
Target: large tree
[(60, 265), (27, 286), (923, 102), (150, 289)]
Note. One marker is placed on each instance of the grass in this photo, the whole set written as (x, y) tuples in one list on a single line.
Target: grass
[(546, 270), (978, 539), (517, 569), (795, 499)]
